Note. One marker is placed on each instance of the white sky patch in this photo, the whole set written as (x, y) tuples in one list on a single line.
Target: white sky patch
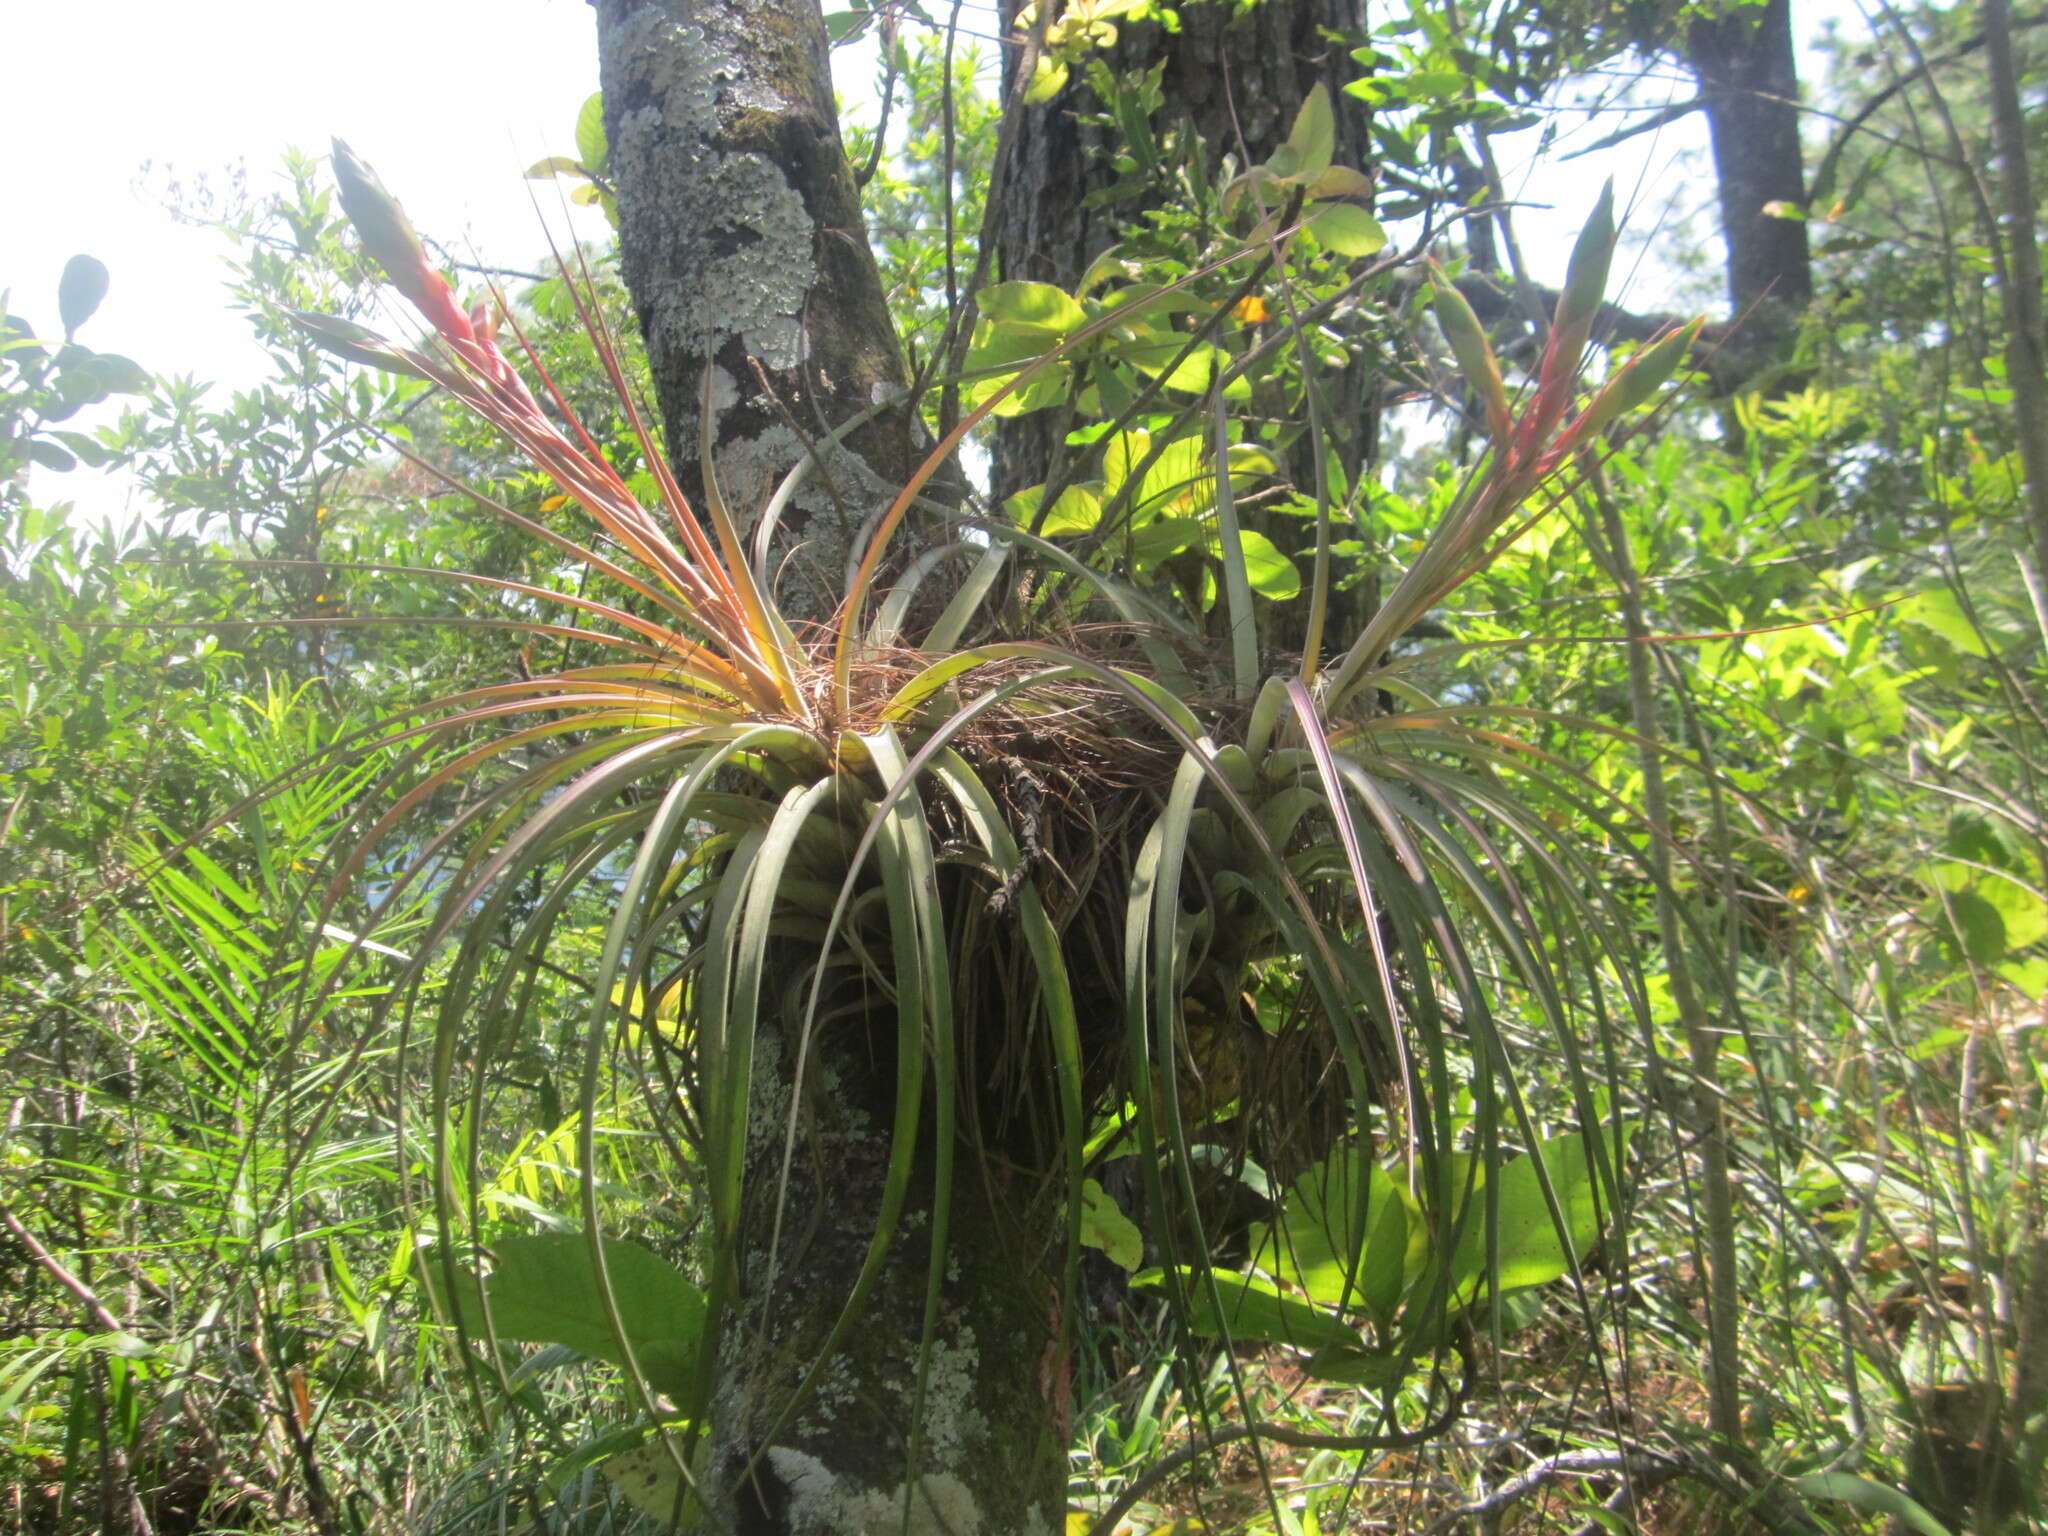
[(451, 100)]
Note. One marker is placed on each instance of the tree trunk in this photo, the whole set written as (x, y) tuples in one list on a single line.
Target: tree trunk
[(743, 246), (1749, 84), (990, 1441), (1233, 79)]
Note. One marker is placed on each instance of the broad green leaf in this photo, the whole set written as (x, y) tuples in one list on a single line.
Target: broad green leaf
[(1121, 458), (1078, 510), (544, 1290), (1314, 135), (1974, 838), (1254, 1311), (1105, 1226), (79, 291), (845, 26), (1048, 79), (1178, 483), (1347, 229), (554, 165), (1978, 927), (591, 146), (2028, 976), (85, 449), (1034, 306), (1369, 1368), (1270, 572), (1850, 1488), (118, 375), (1157, 354), (647, 1479), (1162, 539), (1939, 610), (1340, 181), (1318, 1246), (1531, 1250), (2022, 915)]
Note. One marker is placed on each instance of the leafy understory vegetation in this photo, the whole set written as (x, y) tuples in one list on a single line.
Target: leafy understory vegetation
[(1276, 973)]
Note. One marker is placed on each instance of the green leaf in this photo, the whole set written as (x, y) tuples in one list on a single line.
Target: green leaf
[(46, 453), (1078, 510), (591, 146), (118, 375), (1313, 139), (1347, 229), (1162, 539), (355, 343), (647, 1479), (1340, 181), (1318, 1245), (1048, 79), (1939, 610), (555, 165), (1270, 572), (1531, 1252), (1191, 374), (1850, 1488), (79, 291), (1977, 926), (845, 26), (1031, 306), (1474, 353), (1641, 377), (1369, 1368), (1973, 837), (1105, 1226), (85, 449), (545, 1290), (2021, 913), (998, 353), (1254, 1311)]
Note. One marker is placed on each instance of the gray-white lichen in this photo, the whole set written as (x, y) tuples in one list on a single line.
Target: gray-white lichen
[(952, 1425), (749, 260), (821, 1505)]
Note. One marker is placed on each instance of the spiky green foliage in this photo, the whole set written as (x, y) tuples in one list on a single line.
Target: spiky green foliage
[(1337, 844)]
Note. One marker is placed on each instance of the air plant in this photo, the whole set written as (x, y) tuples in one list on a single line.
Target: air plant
[(1039, 883)]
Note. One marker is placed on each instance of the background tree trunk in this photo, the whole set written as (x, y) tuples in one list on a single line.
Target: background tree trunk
[(1233, 78), (1749, 86), (743, 245)]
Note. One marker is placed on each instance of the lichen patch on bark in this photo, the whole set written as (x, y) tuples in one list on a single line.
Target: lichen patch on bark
[(822, 1505), (742, 242), (742, 230)]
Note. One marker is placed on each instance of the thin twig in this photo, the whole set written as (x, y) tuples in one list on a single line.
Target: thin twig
[(1639, 1466), (1288, 1435), (54, 1267)]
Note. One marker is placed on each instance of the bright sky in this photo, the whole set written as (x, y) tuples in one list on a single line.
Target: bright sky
[(449, 99)]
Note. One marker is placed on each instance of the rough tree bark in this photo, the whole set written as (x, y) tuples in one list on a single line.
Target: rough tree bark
[(1749, 88), (1234, 77), (743, 244)]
